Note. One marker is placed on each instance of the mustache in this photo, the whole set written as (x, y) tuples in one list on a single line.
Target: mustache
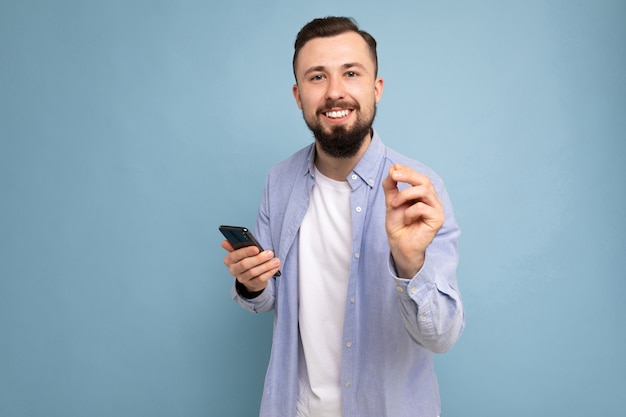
[(334, 104)]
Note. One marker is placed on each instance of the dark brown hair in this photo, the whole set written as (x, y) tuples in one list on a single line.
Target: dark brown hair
[(332, 26)]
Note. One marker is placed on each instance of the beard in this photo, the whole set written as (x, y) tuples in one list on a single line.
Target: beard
[(343, 141)]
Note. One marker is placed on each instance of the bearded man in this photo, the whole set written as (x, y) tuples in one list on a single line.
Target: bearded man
[(367, 244)]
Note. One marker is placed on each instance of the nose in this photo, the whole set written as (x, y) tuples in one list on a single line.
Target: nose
[(335, 89)]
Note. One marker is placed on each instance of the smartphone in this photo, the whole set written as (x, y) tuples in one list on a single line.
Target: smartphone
[(240, 237)]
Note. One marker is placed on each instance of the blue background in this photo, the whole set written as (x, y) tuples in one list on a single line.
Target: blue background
[(131, 129)]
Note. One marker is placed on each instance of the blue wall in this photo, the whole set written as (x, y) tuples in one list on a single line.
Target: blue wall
[(130, 129)]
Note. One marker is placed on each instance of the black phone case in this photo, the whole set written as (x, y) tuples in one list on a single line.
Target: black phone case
[(241, 237)]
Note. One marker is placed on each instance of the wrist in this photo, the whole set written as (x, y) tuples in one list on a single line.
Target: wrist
[(243, 291), (408, 266)]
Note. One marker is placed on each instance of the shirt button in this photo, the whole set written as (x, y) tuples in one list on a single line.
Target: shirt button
[(347, 384), (400, 289), (348, 344), (358, 209), (352, 300), (424, 319), (357, 255), (413, 290), (354, 177), (370, 181)]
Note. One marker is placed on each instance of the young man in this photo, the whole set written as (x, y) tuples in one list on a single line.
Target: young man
[(367, 244)]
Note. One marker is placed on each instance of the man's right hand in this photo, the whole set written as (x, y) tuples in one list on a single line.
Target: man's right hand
[(249, 267)]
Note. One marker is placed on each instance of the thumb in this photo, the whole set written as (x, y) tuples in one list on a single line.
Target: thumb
[(390, 186)]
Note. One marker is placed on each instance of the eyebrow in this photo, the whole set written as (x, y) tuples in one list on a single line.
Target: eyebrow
[(321, 68)]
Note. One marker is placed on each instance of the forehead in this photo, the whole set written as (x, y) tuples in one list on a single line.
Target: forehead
[(335, 51)]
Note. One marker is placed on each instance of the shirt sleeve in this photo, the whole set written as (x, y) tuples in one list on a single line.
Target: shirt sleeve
[(262, 303)]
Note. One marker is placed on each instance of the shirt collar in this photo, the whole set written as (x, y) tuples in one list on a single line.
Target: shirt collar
[(368, 166), (366, 169), (311, 160)]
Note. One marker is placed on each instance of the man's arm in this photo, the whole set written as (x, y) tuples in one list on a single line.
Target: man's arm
[(424, 257)]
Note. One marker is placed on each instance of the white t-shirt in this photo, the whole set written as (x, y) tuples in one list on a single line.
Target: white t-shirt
[(324, 267)]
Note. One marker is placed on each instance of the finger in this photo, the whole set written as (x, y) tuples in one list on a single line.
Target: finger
[(241, 261), (389, 183), (258, 283), (226, 245), (256, 278), (432, 217), (264, 270), (402, 173), (390, 187), (424, 193), (234, 260), (237, 255)]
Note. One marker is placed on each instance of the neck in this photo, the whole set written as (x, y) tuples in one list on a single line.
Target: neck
[(338, 169)]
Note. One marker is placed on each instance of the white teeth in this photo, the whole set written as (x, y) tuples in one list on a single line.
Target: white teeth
[(337, 114)]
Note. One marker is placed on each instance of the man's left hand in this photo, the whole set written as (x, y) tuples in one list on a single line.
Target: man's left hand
[(414, 216)]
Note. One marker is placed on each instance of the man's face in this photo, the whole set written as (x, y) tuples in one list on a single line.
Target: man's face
[(337, 91)]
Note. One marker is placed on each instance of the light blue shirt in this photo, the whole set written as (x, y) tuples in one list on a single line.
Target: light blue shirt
[(393, 327)]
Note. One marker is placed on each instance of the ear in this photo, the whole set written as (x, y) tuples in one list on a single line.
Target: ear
[(379, 84), (296, 94)]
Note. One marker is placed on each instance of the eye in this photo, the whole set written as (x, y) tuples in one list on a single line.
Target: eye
[(351, 74), (317, 77)]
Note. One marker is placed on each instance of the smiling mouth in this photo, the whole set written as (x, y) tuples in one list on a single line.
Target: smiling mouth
[(337, 114)]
